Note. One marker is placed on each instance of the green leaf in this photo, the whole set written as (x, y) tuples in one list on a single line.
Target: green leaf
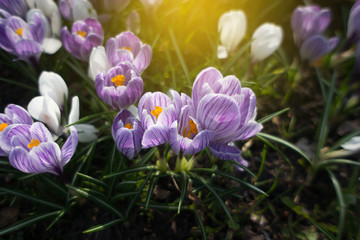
[(91, 179), (148, 155), (183, 190), (271, 116), (285, 143), (123, 195), (233, 60), (131, 170), (203, 181), (31, 198), (329, 162), (153, 182), (103, 226), (345, 139), (27, 222), (97, 200), (201, 224), (247, 170)]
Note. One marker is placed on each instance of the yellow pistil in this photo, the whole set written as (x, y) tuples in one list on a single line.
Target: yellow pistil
[(19, 31), (33, 143), (127, 48), (81, 33), (192, 129), (3, 126), (128, 126), (156, 112), (118, 80)]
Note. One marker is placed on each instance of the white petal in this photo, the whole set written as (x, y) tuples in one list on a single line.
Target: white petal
[(98, 62), (51, 45), (83, 9), (134, 111), (74, 112), (86, 132), (53, 85), (30, 3), (353, 144), (222, 52), (44, 109)]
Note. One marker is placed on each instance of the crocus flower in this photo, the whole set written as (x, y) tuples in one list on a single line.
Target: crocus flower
[(156, 113), (14, 7), (13, 114), (308, 21), (21, 38), (74, 10), (186, 133), (53, 85), (32, 150), (232, 28), (120, 87), (265, 41), (86, 132), (127, 133), (125, 47), (352, 145), (224, 107), (353, 32), (85, 34), (317, 46)]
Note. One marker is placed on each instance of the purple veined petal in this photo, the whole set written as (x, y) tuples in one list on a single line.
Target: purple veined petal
[(133, 91), (6, 118), (9, 132), (138, 133), (27, 48), (198, 143), (40, 132), (5, 43), (91, 41), (218, 113), (69, 147), (95, 26), (167, 116), (46, 157), (174, 138), (37, 26), (129, 41), (323, 19), (122, 56), (14, 7), (3, 153), (20, 141), (230, 85), (18, 114), (119, 120), (149, 101), (179, 101), (13, 25), (249, 130), (111, 50), (333, 43), (19, 159), (69, 44), (353, 31), (65, 9), (314, 48), (224, 151), (205, 79), (155, 135), (247, 103), (79, 26), (143, 59), (125, 142)]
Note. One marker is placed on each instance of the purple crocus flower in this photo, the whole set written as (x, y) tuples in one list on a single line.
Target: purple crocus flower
[(353, 32), (32, 150), (186, 133), (224, 107), (23, 39), (157, 113), (128, 47), (13, 114), (14, 7), (317, 46), (308, 21), (120, 87), (85, 34), (127, 133)]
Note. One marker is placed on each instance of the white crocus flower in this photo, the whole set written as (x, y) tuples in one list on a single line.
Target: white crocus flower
[(86, 132), (232, 28), (45, 109), (53, 85), (265, 41), (352, 145), (83, 9), (51, 11), (98, 62)]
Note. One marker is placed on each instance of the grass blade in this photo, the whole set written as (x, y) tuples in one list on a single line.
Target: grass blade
[(103, 226), (271, 116), (183, 190), (151, 189), (27, 222), (131, 170), (201, 224), (202, 180), (91, 179), (31, 198), (239, 53), (148, 155)]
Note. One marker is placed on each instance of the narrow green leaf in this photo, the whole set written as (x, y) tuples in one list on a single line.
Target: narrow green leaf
[(201, 224), (123, 195), (329, 162), (56, 186), (183, 190), (133, 201), (103, 226), (341, 205), (148, 155), (217, 172), (153, 182), (203, 181), (247, 170), (91, 179), (165, 207), (271, 116), (96, 200), (87, 119), (131, 170), (285, 143), (61, 213), (233, 60), (26, 222), (31, 198), (180, 57)]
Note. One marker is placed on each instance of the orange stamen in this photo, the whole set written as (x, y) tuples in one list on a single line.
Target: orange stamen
[(192, 129), (81, 33), (118, 80), (128, 126), (33, 143), (19, 31), (127, 48), (3, 126), (156, 112)]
